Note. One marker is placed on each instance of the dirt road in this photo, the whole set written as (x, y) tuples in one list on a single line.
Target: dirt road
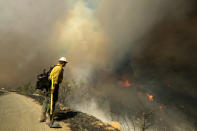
[(20, 113)]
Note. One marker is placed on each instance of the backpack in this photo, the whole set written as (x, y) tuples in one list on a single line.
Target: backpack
[(42, 79)]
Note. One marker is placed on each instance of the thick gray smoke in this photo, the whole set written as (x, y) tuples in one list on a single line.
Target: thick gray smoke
[(156, 38), (129, 21), (26, 28)]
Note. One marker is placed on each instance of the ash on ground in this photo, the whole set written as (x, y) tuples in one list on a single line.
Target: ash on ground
[(78, 121)]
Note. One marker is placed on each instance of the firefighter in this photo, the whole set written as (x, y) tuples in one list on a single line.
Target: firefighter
[(57, 75)]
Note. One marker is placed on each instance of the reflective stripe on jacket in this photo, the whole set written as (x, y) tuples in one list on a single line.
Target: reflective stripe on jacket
[(57, 73)]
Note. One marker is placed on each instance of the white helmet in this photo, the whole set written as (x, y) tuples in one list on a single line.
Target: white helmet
[(63, 59)]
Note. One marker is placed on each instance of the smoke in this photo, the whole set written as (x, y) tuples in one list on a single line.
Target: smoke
[(140, 33), (151, 36), (149, 43), (25, 31), (85, 41), (129, 21)]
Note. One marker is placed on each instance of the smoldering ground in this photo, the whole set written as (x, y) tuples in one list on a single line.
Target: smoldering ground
[(149, 43)]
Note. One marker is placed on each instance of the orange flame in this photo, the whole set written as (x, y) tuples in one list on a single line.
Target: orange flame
[(126, 83), (182, 106), (150, 97), (162, 107)]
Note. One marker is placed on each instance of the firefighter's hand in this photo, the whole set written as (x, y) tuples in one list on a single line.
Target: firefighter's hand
[(52, 90)]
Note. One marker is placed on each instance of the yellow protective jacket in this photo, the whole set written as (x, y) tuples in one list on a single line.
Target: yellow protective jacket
[(57, 73)]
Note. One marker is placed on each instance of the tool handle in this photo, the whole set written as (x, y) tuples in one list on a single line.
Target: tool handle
[(51, 111)]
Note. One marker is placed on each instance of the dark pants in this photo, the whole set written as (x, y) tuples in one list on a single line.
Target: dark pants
[(47, 100)]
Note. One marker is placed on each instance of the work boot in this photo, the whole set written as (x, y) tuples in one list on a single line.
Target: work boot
[(53, 124), (43, 117)]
